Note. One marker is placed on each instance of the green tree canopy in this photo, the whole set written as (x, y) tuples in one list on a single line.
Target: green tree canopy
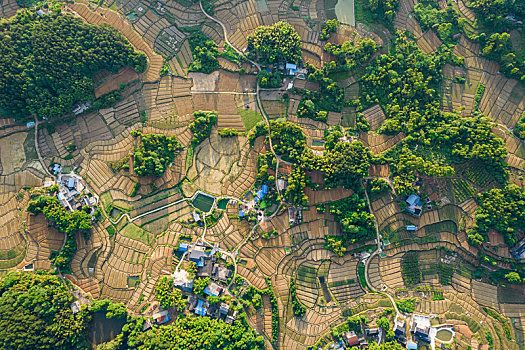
[(276, 43), (154, 153), (189, 333), (202, 125), (35, 313), (502, 210), (47, 62), (167, 295)]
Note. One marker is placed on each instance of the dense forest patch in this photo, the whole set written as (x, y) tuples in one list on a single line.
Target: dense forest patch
[(47, 62), (35, 314)]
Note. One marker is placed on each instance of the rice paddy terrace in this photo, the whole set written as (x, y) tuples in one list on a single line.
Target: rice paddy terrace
[(200, 196)]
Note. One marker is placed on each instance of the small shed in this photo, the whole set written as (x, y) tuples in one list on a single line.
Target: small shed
[(411, 345)]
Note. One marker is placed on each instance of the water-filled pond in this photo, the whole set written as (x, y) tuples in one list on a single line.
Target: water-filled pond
[(203, 202), (103, 329), (344, 11), (444, 335)]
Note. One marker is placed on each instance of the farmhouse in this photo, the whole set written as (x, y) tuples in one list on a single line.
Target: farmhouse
[(162, 317), (414, 204), (421, 327), (351, 338)]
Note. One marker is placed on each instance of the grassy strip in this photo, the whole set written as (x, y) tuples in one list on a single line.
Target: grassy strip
[(362, 278)]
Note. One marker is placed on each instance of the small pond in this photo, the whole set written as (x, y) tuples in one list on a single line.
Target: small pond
[(444, 335), (102, 329), (203, 202), (115, 213), (317, 143), (222, 203), (344, 11)]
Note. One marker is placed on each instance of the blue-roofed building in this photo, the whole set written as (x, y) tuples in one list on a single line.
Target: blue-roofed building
[(57, 169), (241, 214), (71, 182), (291, 68), (261, 193), (412, 228), (30, 124), (414, 204), (200, 309), (411, 345), (183, 247), (414, 200)]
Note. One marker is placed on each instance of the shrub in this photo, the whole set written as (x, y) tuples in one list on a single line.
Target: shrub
[(298, 309), (228, 132)]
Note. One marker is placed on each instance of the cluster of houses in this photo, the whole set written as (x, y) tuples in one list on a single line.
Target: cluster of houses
[(72, 193), (351, 339), (256, 204), (207, 266), (419, 328)]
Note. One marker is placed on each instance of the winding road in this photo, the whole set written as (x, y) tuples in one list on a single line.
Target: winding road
[(259, 104), (377, 251)]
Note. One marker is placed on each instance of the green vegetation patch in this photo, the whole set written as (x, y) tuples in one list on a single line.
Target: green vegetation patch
[(445, 273), (249, 117), (502, 210), (154, 153), (44, 316), (68, 222), (134, 232), (407, 305), (276, 43), (47, 62), (410, 270), (202, 125), (205, 53), (298, 309)]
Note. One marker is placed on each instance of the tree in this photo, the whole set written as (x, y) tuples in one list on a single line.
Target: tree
[(513, 277), (276, 43), (384, 9), (353, 215), (228, 132), (298, 308), (335, 244), (330, 26), (202, 125), (199, 284), (189, 333), (346, 163), (502, 210), (257, 301), (167, 295), (383, 322), (67, 222)]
